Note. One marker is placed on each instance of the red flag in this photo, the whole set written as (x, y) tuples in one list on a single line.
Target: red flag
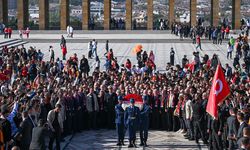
[(136, 97), (190, 66), (218, 93)]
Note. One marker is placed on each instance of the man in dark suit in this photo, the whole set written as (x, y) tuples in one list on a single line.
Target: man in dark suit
[(243, 124), (38, 136), (197, 117), (215, 127), (25, 132), (246, 133), (232, 124), (144, 121), (111, 100)]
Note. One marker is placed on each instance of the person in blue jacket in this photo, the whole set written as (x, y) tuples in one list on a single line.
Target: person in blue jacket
[(144, 121), (131, 121), (119, 121)]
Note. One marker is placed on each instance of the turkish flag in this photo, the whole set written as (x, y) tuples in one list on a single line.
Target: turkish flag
[(218, 93)]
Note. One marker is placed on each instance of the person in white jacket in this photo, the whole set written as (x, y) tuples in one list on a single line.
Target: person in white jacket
[(229, 50), (55, 123), (71, 30), (68, 31), (189, 111)]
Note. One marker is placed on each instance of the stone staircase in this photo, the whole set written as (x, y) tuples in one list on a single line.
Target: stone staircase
[(12, 43)]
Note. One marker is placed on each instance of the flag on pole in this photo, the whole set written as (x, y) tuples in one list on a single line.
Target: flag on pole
[(218, 93)]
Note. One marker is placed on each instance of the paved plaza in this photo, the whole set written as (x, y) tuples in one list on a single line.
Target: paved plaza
[(106, 139), (123, 43), (124, 51)]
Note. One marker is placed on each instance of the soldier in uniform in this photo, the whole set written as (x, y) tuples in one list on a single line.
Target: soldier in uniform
[(131, 120), (119, 120), (144, 121)]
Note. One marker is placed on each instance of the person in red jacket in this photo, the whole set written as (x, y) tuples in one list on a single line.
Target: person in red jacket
[(9, 32), (198, 42), (24, 71), (5, 32), (64, 52), (128, 64), (227, 30)]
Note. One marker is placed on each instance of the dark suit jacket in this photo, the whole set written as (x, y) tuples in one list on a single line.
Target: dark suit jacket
[(38, 138), (232, 126), (240, 131), (26, 131)]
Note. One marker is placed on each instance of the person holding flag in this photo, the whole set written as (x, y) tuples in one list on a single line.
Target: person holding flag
[(218, 93)]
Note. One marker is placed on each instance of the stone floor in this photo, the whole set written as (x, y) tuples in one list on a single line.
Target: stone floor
[(124, 51), (106, 139)]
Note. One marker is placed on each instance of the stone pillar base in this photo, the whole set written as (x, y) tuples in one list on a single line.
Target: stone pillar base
[(22, 14), (4, 11)]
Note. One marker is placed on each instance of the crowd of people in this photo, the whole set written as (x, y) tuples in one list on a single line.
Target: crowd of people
[(56, 98), (7, 32)]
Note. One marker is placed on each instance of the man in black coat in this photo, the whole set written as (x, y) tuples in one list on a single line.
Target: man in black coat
[(38, 136), (246, 134), (215, 128), (84, 66), (5, 126), (25, 132), (197, 118), (232, 124), (111, 101), (243, 124)]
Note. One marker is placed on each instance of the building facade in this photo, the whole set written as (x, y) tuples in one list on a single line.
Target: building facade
[(23, 13)]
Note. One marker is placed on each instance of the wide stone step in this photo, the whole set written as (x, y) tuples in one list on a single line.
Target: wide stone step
[(12, 43)]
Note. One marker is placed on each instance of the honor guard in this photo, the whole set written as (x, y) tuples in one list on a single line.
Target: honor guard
[(119, 120), (131, 121)]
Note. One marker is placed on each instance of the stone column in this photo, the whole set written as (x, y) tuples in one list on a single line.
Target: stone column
[(236, 15), (85, 14), (129, 4), (193, 12), (150, 15), (171, 12), (22, 13), (4, 11), (215, 12), (43, 14), (64, 14), (107, 14)]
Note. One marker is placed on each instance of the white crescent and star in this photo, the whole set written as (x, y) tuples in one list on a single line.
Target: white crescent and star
[(216, 92)]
